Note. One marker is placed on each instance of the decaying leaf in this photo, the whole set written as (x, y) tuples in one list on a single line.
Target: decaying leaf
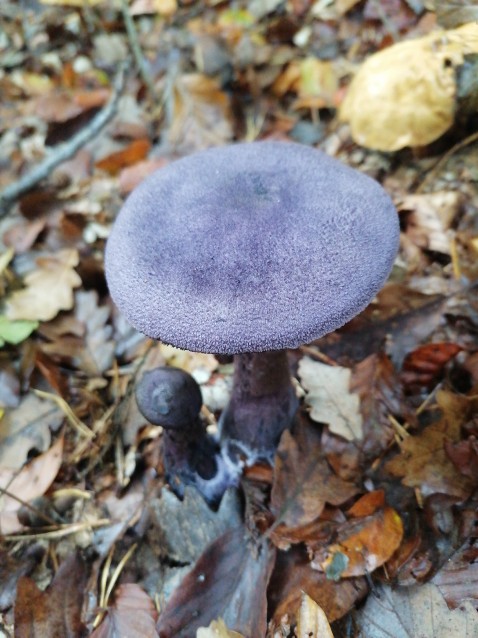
[(133, 614), (201, 114), (229, 581), (26, 428), (330, 399), (457, 580), (312, 621), (429, 217), (409, 89), (48, 288), (30, 482), (303, 480), (98, 345), (365, 542), (217, 629), (293, 575), (56, 611), (423, 462), (414, 611), (135, 152), (423, 367)]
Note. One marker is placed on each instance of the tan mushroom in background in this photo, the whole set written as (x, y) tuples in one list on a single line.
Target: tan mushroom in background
[(406, 95)]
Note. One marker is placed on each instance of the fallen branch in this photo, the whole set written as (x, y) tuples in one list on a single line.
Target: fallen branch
[(66, 150)]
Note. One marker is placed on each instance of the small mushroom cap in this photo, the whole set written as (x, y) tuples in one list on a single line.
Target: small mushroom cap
[(250, 247), (169, 397)]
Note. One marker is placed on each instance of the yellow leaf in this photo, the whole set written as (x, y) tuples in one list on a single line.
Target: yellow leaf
[(405, 95), (48, 289), (312, 621), (217, 629)]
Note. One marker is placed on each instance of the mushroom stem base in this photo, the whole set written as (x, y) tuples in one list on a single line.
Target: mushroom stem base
[(262, 405)]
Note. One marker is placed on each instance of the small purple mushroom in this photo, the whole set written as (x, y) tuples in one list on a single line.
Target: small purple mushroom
[(248, 250), (170, 397)]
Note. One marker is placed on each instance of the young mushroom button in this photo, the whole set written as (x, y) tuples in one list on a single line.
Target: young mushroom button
[(248, 250)]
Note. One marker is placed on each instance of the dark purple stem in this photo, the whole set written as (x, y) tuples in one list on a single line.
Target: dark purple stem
[(262, 405)]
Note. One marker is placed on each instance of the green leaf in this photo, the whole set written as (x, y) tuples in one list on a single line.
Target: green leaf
[(15, 331)]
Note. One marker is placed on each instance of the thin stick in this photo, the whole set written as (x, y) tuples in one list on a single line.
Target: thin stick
[(443, 160), (66, 150), (136, 49), (29, 506)]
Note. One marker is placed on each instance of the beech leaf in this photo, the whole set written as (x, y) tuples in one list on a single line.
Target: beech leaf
[(48, 288), (330, 399)]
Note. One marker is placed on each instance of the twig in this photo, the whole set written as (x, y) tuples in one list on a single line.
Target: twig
[(136, 49), (32, 508), (444, 159), (66, 150)]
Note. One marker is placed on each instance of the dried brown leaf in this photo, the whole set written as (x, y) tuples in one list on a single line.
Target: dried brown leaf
[(133, 615), (330, 398), (312, 621), (229, 581), (56, 612), (303, 480), (414, 611), (30, 482), (48, 289)]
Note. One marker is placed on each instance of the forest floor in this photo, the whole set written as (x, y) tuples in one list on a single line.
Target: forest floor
[(371, 535)]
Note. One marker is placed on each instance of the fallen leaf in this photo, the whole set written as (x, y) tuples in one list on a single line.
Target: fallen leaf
[(330, 398), (457, 580), (135, 152), (293, 575), (312, 621), (55, 612), (314, 81), (132, 176), (11, 571), (365, 542), (15, 331), (99, 348), (186, 527), (26, 428), (48, 289), (423, 368), (229, 581), (414, 611), (31, 481), (217, 629), (409, 89), (423, 462), (428, 219), (133, 615), (303, 480), (201, 114)]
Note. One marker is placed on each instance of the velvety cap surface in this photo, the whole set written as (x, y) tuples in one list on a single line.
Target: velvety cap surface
[(250, 247)]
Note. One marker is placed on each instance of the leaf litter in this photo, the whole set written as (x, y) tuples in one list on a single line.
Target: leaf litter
[(352, 504)]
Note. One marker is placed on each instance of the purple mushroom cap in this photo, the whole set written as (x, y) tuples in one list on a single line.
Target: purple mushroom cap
[(249, 248)]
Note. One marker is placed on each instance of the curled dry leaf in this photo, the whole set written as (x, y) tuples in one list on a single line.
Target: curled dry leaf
[(48, 288), (99, 347), (424, 366), (312, 621), (133, 614), (409, 89), (365, 542), (330, 399), (31, 481)]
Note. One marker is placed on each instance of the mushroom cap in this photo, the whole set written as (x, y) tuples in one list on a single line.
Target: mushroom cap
[(169, 397), (250, 247)]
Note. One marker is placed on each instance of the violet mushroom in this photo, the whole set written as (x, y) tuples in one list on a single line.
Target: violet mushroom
[(248, 250), (171, 397)]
